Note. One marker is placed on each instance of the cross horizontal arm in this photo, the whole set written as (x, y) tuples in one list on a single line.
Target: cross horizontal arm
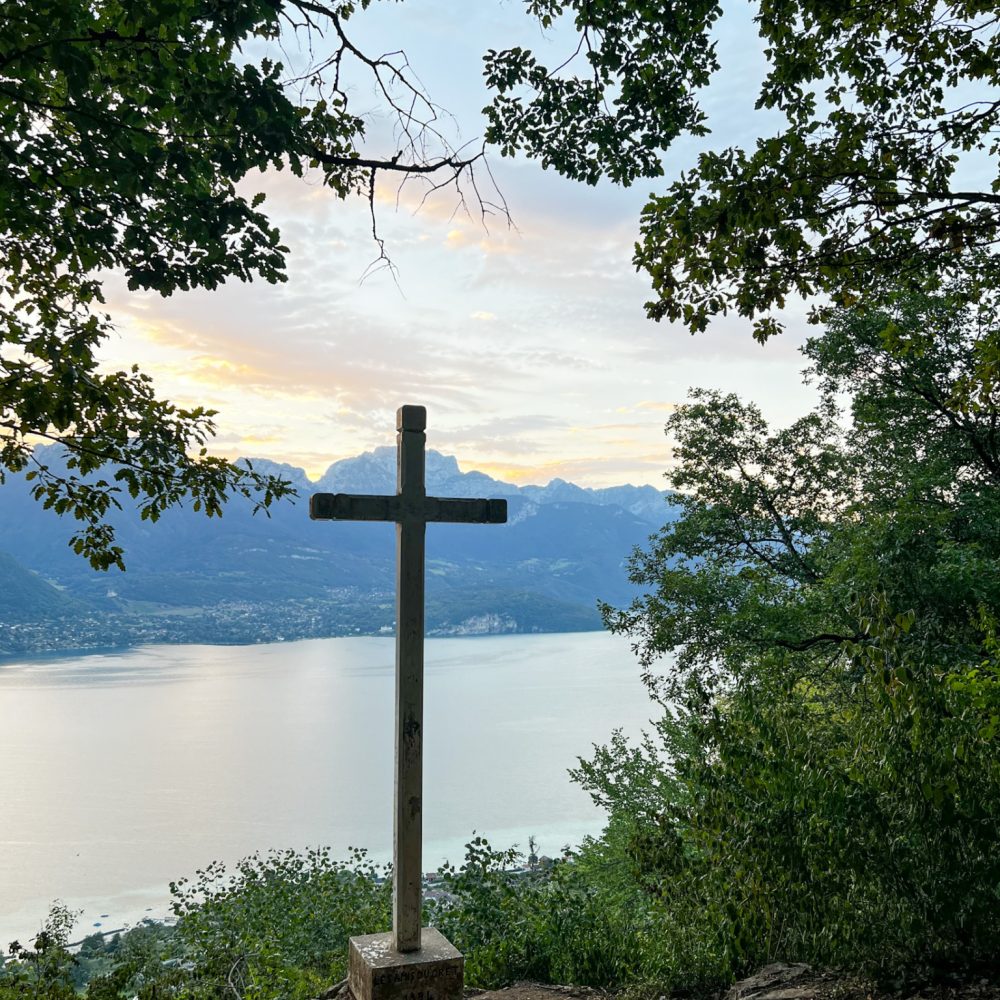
[(465, 511), (361, 507), (353, 507)]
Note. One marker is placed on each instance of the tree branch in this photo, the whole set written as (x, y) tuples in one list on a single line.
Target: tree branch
[(393, 164), (779, 523), (822, 638)]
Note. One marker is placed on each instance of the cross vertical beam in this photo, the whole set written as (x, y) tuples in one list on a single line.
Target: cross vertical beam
[(407, 883), (432, 961)]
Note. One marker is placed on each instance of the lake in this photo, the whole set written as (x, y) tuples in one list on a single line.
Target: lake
[(122, 771)]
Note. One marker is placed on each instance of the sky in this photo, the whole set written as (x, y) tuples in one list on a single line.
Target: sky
[(528, 345)]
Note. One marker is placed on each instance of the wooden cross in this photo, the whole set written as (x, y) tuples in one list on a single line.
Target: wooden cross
[(411, 509)]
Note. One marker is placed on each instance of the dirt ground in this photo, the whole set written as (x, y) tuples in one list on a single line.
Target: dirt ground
[(780, 981), (783, 981), (538, 991)]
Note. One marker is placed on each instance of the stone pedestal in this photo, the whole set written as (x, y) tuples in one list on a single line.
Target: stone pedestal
[(376, 972)]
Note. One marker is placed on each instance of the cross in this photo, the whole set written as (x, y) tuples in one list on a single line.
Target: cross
[(411, 509)]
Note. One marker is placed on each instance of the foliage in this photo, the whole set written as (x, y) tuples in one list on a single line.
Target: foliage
[(277, 926), (636, 95), (553, 925), (46, 970), (124, 131), (884, 112), (142, 962), (829, 599)]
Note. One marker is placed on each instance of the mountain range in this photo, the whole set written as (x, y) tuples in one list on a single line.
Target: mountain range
[(243, 578)]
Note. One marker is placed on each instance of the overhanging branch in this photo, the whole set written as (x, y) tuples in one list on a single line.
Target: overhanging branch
[(394, 165), (822, 639)]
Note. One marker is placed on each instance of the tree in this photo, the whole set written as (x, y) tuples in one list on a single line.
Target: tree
[(47, 969), (887, 108), (124, 130), (828, 600), (784, 537)]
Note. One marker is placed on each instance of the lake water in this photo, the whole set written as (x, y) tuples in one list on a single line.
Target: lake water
[(125, 770)]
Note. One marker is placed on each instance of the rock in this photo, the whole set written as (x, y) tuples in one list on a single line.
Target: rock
[(538, 991), (338, 990), (773, 983), (791, 993)]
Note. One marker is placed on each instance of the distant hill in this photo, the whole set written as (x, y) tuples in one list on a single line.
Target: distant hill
[(25, 596), (564, 548)]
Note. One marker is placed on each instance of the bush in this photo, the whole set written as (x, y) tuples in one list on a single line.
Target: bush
[(557, 925), (277, 926), (827, 782)]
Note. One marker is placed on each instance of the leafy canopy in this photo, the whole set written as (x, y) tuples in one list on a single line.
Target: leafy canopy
[(883, 165), (125, 129)]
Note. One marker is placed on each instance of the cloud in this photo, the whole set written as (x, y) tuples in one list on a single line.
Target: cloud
[(458, 238), (529, 346), (616, 427), (595, 472), (520, 434)]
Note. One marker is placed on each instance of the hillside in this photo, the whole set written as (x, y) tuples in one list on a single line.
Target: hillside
[(25, 596)]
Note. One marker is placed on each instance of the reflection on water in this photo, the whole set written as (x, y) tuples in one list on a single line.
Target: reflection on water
[(122, 771)]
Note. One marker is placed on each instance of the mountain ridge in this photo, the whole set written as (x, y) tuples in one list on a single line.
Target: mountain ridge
[(563, 549), (375, 472)]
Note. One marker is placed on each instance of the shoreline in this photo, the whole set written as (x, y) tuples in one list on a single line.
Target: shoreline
[(8, 657)]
